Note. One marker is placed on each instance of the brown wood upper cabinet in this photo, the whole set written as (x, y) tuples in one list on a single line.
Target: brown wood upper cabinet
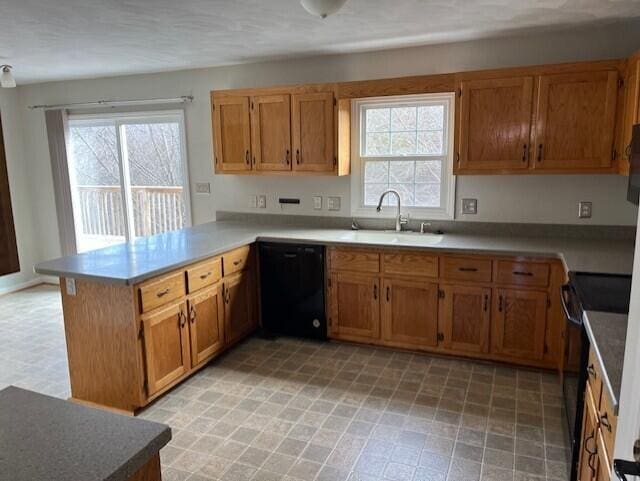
[(232, 134), (271, 132), (631, 110), (313, 132), (575, 121), (495, 124)]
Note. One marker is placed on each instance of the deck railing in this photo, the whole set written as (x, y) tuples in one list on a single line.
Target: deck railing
[(155, 209)]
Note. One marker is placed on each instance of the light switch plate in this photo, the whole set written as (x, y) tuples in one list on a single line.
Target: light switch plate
[(317, 202), (585, 209), (253, 201), (203, 188), (469, 206), (70, 284), (262, 201), (333, 203)]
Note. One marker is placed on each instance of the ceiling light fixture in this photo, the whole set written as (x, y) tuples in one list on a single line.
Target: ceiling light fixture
[(322, 8), (6, 77)]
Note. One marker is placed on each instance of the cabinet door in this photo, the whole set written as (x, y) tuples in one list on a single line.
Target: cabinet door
[(313, 132), (631, 109), (588, 459), (231, 130), (410, 313), (9, 261), (206, 324), (271, 132), (495, 124), (519, 323), (575, 121), (239, 311), (166, 345), (465, 318), (355, 306)]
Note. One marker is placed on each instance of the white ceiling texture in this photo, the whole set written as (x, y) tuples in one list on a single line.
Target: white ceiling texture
[(63, 39)]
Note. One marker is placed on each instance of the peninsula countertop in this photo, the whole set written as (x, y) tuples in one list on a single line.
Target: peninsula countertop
[(44, 438), (131, 263)]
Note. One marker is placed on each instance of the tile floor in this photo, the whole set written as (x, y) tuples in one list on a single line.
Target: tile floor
[(298, 410)]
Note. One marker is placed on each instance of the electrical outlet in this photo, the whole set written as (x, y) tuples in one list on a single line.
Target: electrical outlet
[(70, 284), (253, 201), (317, 202), (203, 188), (262, 202), (333, 203), (469, 206), (585, 209)]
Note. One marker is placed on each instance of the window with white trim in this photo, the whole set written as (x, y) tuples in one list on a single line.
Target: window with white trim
[(404, 143)]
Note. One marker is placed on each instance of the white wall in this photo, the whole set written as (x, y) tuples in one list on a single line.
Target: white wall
[(532, 198), (20, 188)]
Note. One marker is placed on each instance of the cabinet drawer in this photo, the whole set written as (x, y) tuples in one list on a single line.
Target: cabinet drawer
[(204, 274), (412, 263), (354, 260), (594, 377), (157, 292), (608, 423), (465, 268), (236, 260), (522, 273)]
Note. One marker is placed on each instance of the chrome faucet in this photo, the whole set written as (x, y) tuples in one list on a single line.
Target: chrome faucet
[(400, 219)]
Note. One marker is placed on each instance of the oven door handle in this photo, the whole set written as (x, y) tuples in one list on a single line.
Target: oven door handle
[(564, 291)]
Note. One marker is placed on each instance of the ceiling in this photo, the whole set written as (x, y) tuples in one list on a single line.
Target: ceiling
[(64, 39)]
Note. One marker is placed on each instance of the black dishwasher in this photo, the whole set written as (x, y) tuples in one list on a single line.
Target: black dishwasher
[(292, 290)]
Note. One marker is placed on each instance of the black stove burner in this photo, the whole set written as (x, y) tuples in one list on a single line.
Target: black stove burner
[(602, 292)]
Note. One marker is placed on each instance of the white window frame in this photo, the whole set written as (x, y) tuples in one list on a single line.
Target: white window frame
[(448, 187), (126, 118)]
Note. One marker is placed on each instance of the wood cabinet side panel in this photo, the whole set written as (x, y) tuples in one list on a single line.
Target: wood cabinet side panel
[(106, 373)]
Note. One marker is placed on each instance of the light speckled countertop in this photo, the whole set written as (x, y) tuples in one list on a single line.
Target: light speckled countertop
[(608, 335), (147, 257), (44, 439)]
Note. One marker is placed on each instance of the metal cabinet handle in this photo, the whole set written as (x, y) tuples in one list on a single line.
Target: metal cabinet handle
[(591, 370), (539, 152), (500, 303), (192, 312), (486, 302), (246, 158), (204, 276), (237, 263), (627, 152), (286, 157), (375, 291), (523, 273), (468, 269), (182, 319), (524, 153), (388, 293), (297, 156), (604, 421), (163, 293)]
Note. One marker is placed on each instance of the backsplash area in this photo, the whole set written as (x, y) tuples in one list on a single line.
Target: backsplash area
[(448, 227)]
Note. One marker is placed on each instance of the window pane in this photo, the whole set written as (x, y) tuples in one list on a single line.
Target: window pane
[(431, 117), (403, 143), (428, 171), (378, 144), (401, 171), (376, 171), (430, 143), (427, 195), (377, 120), (372, 193), (406, 194), (95, 186), (403, 119), (157, 177)]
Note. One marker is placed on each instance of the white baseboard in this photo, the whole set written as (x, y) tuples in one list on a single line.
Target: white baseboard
[(30, 283)]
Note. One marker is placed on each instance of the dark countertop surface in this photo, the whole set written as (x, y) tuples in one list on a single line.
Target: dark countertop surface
[(48, 439), (143, 258), (608, 335)]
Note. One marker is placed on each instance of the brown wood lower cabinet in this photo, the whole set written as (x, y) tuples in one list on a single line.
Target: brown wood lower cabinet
[(355, 306), (465, 318), (239, 306), (519, 323), (410, 312), (166, 346), (206, 324), (587, 467)]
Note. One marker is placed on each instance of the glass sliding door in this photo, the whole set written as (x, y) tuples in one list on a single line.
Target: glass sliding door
[(128, 177)]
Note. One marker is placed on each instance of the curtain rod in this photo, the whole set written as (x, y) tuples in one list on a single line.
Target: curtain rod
[(116, 103)]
